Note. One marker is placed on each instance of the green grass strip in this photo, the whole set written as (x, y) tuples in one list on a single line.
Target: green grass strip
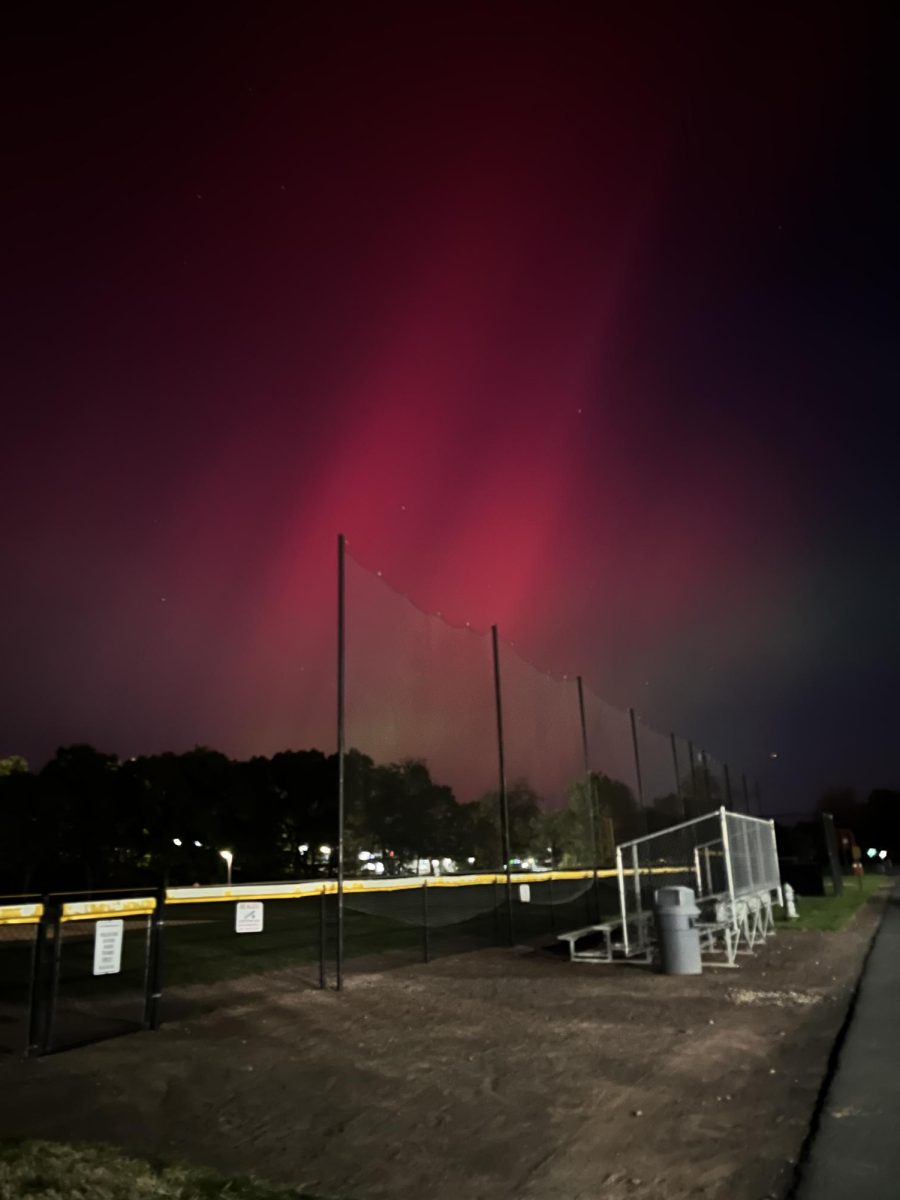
[(831, 913), (38, 1170)]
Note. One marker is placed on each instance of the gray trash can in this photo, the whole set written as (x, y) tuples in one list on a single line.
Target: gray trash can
[(679, 939)]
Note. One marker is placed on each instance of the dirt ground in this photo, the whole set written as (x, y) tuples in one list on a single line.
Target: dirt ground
[(494, 1074)]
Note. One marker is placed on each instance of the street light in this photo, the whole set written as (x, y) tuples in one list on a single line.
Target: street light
[(229, 859)]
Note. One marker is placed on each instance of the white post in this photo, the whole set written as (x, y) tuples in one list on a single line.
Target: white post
[(777, 868), (636, 874), (726, 846), (620, 871)]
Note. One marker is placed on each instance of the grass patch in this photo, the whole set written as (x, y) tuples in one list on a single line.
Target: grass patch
[(830, 913), (63, 1171)]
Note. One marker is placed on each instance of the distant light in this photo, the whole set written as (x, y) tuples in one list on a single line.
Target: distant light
[(176, 841), (196, 843), (325, 850), (228, 855), (882, 853), (871, 852), (470, 861), (773, 754), (379, 868), (303, 849), (365, 855)]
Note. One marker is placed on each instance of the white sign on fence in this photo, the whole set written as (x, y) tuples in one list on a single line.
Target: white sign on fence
[(108, 938), (525, 893), (248, 916)]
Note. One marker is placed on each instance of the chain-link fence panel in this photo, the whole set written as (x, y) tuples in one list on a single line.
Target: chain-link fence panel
[(754, 855)]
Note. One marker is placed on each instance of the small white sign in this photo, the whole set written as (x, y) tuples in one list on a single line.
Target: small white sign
[(525, 893), (108, 938), (248, 916)]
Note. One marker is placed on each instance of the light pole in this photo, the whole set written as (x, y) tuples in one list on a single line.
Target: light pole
[(229, 859)]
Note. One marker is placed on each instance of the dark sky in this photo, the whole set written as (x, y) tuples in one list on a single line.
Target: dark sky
[(576, 318)]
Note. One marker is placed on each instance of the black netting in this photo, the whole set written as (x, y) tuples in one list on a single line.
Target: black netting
[(547, 787), (716, 783), (659, 781), (204, 959), (682, 757), (614, 776), (422, 767)]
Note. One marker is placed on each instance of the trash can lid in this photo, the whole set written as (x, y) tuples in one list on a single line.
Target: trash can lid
[(675, 897)]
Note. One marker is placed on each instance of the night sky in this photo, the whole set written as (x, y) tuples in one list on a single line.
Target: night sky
[(576, 318)]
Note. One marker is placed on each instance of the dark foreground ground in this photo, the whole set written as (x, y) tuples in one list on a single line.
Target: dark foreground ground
[(497, 1074)]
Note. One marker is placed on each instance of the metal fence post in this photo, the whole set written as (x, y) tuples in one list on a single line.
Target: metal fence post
[(341, 666), (729, 803), (46, 1042), (637, 769), (678, 792), (746, 796), (620, 873), (323, 917), (153, 973), (832, 853), (705, 759), (504, 798), (694, 804), (425, 946), (38, 985), (589, 781), (726, 846)]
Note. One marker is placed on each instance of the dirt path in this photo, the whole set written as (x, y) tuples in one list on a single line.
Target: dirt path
[(500, 1074)]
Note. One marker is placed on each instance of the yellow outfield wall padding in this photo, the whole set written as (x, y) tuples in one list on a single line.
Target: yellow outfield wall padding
[(92, 910), (21, 914), (217, 894)]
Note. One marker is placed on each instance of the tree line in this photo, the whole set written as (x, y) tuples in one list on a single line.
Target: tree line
[(88, 820)]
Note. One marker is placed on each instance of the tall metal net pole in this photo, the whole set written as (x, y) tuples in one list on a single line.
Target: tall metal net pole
[(693, 778), (341, 664), (758, 802), (504, 798), (729, 804), (637, 769), (678, 792), (746, 794), (589, 783), (704, 756)]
